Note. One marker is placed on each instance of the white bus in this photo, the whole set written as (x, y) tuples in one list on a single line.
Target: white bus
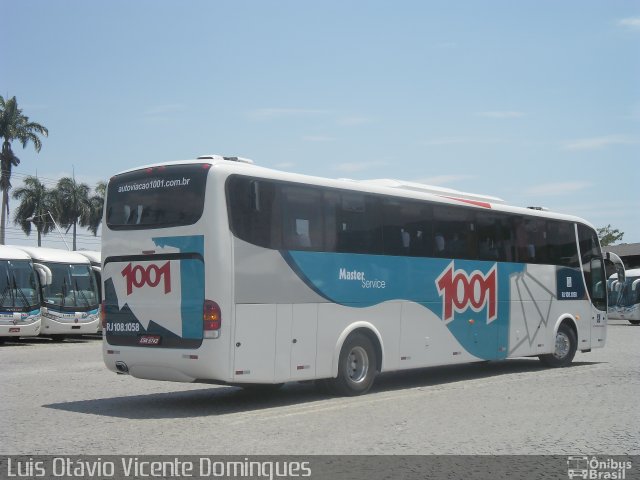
[(96, 265), (19, 295), (220, 271), (70, 302), (624, 297)]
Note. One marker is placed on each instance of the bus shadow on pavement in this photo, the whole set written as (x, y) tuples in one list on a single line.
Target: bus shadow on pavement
[(17, 342), (224, 400)]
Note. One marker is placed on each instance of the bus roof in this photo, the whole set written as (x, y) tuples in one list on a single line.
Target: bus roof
[(42, 254), (12, 253), (93, 255), (398, 188)]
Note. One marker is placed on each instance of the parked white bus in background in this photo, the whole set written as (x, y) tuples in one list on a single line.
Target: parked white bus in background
[(19, 295), (220, 271), (70, 303), (96, 265), (624, 297)]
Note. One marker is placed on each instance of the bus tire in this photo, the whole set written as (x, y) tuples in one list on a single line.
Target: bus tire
[(57, 338), (356, 367), (566, 345), (634, 322)]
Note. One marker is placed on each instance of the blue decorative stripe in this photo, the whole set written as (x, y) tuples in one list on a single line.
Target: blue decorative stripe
[(191, 280), (479, 318)]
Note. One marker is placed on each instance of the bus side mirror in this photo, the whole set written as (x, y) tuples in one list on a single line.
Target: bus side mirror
[(611, 257), (96, 269), (44, 273), (621, 274)]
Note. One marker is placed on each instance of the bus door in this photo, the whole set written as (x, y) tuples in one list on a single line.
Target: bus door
[(592, 262)]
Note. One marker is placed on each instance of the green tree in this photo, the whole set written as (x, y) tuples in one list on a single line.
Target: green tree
[(14, 126), (35, 204), (609, 236), (96, 205), (72, 206)]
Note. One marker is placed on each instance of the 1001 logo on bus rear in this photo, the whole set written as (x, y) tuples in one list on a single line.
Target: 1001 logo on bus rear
[(152, 275)]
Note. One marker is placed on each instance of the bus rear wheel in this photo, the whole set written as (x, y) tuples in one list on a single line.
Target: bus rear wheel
[(356, 367), (565, 348)]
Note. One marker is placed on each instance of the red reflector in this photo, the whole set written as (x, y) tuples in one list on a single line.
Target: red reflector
[(211, 316)]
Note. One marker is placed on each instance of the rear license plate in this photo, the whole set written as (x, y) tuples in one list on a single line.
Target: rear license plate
[(14, 330), (149, 340)]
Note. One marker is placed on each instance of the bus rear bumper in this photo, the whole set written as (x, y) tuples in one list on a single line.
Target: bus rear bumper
[(169, 364), (149, 372)]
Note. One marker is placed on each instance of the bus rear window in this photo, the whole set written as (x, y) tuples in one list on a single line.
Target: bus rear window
[(157, 197)]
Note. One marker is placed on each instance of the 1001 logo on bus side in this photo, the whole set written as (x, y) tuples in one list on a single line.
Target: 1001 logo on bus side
[(460, 291)]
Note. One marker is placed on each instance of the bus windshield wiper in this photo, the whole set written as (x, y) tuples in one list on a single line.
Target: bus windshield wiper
[(86, 300), (7, 291), (64, 291), (19, 290)]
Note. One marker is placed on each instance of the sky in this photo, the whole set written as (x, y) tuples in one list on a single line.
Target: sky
[(536, 102)]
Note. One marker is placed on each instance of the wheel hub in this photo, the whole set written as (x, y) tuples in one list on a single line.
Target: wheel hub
[(357, 364)]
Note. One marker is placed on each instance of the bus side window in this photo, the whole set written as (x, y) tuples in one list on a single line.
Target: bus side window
[(358, 222), (489, 233), (254, 212), (302, 223), (561, 241), (405, 224), (530, 240), (455, 233)]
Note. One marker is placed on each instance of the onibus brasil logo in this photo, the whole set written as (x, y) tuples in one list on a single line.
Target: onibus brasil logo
[(593, 468)]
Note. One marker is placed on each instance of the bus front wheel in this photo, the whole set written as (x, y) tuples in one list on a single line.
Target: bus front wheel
[(565, 348), (356, 367), (634, 322)]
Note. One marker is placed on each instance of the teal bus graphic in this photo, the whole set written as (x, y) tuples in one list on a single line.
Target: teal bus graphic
[(359, 281)]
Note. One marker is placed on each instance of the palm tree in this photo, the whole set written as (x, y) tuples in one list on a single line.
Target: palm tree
[(96, 203), (14, 126), (72, 205), (35, 204)]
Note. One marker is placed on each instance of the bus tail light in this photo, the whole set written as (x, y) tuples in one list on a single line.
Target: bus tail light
[(211, 319)]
